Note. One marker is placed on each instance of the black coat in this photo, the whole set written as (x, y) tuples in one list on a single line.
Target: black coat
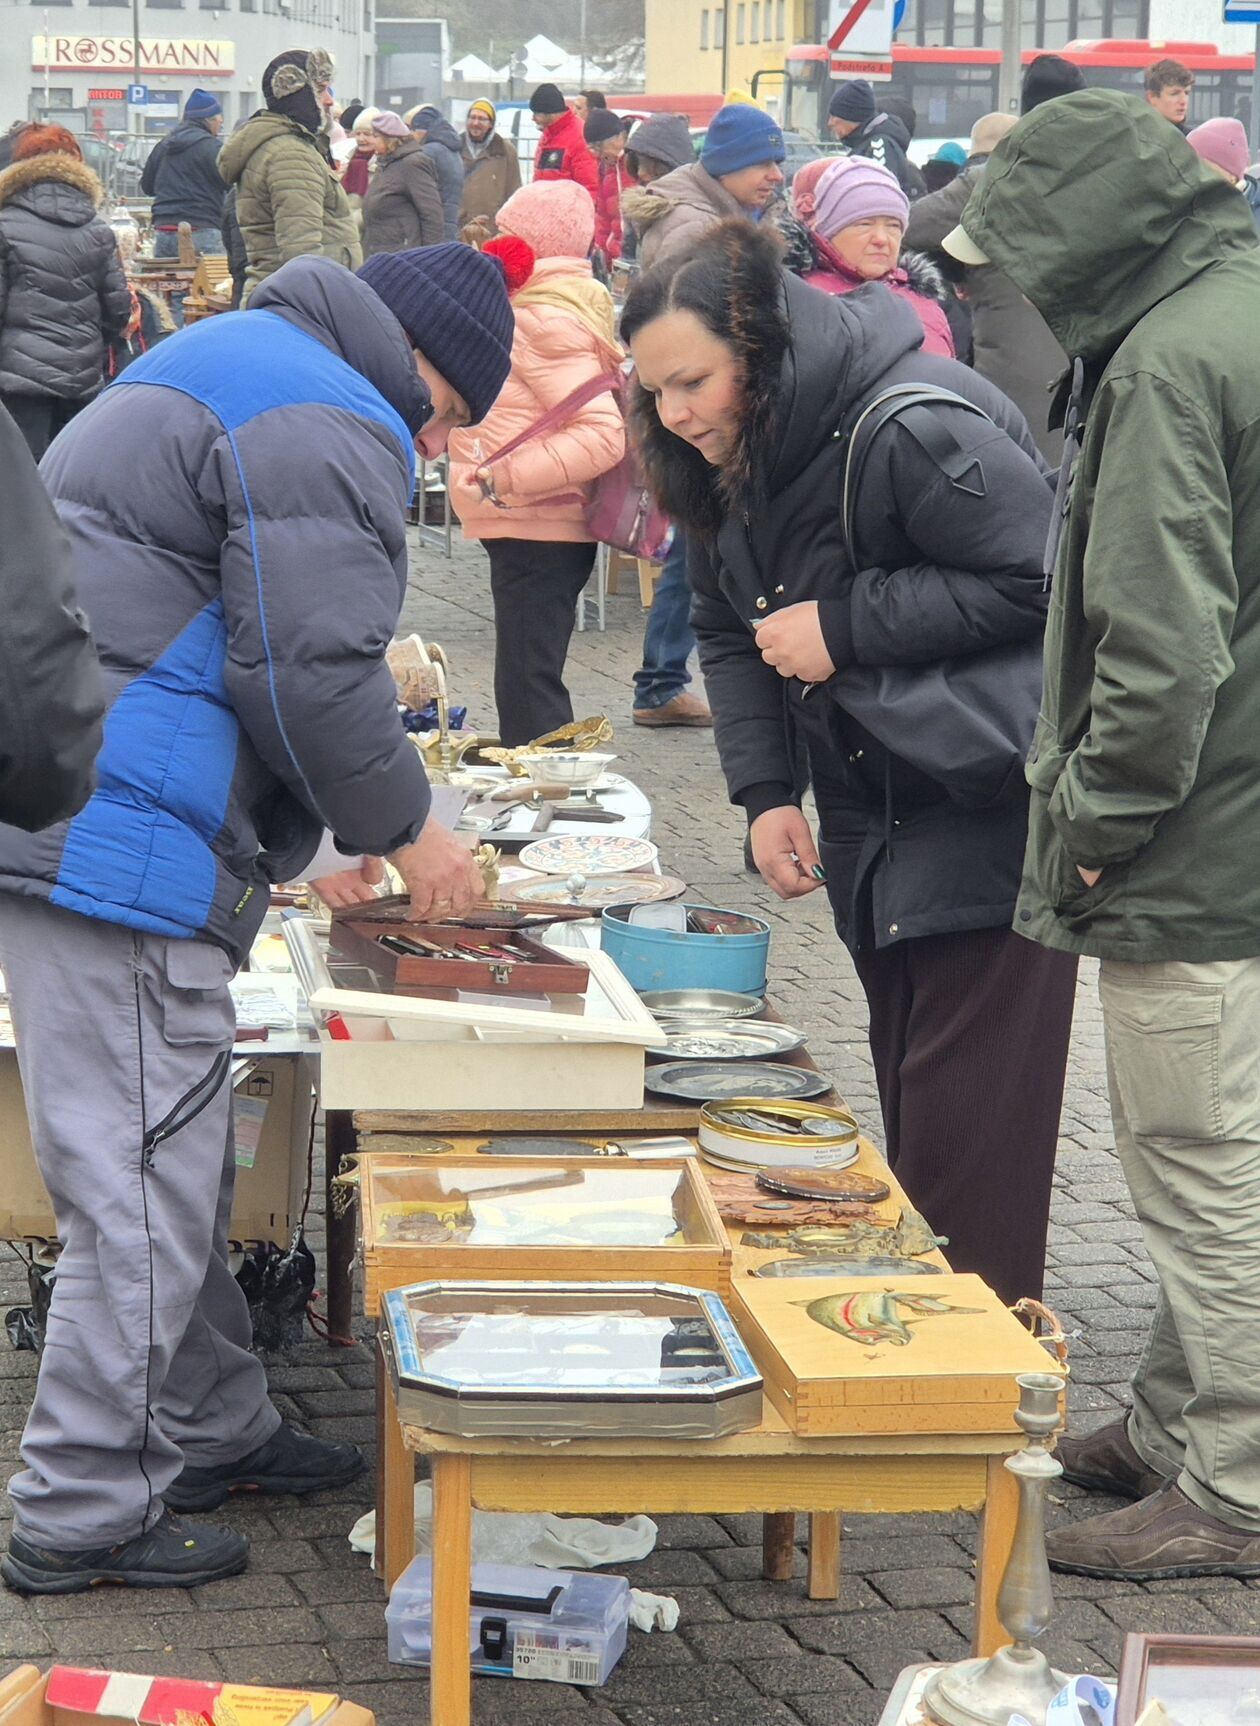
[(887, 141), (182, 177), (944, 573), (63, 294), (51, 695), (403, 207)]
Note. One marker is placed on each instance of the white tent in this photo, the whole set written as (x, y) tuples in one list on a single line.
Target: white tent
[(472, 69)]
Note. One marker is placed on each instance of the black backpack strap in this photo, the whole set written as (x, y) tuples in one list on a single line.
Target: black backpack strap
[(912, 405)]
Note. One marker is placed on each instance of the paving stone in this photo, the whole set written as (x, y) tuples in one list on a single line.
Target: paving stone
[(257, 1588), (699, 1606), (744, 1563), (742, 1641), (710, 1711), (1153, 1612), (882, 1632), (847, 1708), (780, 1600), (337, 1587), (661, 1686), (800, 1673), (934, 1585), (237, 1629), (302, 1665), (660, 1648), (696, 1532)]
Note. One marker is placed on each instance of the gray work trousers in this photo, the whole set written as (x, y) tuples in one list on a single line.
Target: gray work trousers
[(1183, 1060), (147, 1363)]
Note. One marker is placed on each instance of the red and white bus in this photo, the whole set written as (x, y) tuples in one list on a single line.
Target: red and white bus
[(950, 88)]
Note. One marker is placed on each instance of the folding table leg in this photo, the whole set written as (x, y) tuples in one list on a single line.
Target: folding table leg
[(997, 1535), (778, 1545), (396, 1518), (824, 1555), (450, 1676)]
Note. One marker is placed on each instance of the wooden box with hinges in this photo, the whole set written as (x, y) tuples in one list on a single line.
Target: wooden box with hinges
[(857, 1355), (412, 956), (560, 1219)]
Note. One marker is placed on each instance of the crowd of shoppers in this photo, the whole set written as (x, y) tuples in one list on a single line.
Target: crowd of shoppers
[(979, 641)]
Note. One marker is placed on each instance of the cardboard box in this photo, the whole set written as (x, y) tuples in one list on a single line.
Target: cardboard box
[(24, 1701), (273, 1147)]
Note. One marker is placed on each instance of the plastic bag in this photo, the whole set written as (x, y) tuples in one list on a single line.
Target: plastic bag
[(503, 1537)]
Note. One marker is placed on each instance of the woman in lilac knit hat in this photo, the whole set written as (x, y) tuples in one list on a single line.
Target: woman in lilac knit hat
[(856, 224)]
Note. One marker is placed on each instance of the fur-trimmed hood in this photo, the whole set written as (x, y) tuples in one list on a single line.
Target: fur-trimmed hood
[(56, 186), (915, 270), (806, 359)]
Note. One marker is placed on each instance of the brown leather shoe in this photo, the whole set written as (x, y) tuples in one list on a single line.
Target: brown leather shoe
[(682, 710), (1164, 1535), (1105, 1461)]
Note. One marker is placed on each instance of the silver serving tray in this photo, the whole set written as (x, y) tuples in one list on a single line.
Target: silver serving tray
[(486, 1406), (706, 1039), (701, 1004), (718, 1081)]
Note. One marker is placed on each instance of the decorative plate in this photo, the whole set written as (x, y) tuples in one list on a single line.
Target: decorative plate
[(701, 1004), (597, 891), (709, 1081), (830, 1184), (877, 1267), (725, 1040), (589, 854)]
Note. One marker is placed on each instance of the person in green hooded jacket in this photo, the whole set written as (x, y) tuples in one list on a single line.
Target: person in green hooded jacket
[(1144, 836)]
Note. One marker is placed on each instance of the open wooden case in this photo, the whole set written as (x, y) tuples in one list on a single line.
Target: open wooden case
[(410, 956), (582, 1219), (861, 1355)]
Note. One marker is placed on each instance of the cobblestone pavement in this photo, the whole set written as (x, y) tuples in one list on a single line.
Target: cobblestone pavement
[(746, 1653)]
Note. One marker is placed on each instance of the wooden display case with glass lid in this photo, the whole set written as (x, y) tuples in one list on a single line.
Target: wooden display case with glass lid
[(582, 1218)]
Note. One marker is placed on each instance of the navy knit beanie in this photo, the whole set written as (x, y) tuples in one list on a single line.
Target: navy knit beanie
[(202, 105), (853, 101), (452, 303), (740, 136)]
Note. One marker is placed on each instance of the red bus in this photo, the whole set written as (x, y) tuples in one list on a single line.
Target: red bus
[(950, 88)]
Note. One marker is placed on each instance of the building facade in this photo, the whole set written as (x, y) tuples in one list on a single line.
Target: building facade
[(73, 60), (714, 45)]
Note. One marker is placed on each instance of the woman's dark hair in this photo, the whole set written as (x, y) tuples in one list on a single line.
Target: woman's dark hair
[(732, 281), (593, 98)]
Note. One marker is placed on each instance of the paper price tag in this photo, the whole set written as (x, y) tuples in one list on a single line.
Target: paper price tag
[(535, 1656), (249, 1114)]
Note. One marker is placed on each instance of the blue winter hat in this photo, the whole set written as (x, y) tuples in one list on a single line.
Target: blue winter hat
[(452, 302), (951, 152), (202, 105), (740, 136)]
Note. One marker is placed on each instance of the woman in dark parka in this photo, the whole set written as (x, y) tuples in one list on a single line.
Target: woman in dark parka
[(746, 377)]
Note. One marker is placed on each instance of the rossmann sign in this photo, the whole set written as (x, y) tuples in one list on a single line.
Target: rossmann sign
[(115, 54)]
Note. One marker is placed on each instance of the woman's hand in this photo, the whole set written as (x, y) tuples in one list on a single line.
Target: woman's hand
[(350, 886), (792, 641), (784, 851)]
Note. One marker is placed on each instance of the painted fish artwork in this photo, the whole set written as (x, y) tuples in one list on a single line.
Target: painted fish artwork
[(875, 1317)]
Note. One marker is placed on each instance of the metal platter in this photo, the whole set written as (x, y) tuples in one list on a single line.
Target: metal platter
[(596, 891), (705, 1039), (701, 1004), (876, 1267), (714, 1081)]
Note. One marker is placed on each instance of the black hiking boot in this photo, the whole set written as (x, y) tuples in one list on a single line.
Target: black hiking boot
[(173, 1554), (289, 1461)]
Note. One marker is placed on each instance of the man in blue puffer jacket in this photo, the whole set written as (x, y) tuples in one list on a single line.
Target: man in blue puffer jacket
[(236, 510)]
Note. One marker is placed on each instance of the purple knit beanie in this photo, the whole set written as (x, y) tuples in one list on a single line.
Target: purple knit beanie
[(854, 190)]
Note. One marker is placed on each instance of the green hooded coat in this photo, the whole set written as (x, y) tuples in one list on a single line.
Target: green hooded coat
[(1146, 760), (287, 203)]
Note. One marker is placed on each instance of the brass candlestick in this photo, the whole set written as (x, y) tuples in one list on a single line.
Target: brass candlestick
[(1017, 1679)]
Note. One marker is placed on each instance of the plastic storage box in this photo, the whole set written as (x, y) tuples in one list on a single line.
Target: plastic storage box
[(524, 1622)]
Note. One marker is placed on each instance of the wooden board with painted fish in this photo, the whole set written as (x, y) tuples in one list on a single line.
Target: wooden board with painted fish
[(852, 1355)]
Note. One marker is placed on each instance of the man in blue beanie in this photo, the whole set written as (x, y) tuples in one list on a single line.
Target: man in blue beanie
[(242, 598), (738, 174), (182, 177), (855, 120)]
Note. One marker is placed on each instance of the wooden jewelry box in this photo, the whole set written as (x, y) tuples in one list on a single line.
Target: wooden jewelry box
[(509, 961)]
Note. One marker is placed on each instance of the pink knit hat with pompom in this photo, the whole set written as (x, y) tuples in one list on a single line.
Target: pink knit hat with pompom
[(555, 217)]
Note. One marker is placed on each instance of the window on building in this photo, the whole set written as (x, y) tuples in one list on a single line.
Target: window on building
[(100, 2), (248, 5), (167, 5), (740, 32), (719, 26), (754, 34), (779, 21), (704, 28)]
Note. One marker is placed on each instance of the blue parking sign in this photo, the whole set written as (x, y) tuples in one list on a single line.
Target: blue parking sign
[(137, 95)]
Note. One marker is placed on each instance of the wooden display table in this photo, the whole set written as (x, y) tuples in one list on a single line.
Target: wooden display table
[(767, 1469)]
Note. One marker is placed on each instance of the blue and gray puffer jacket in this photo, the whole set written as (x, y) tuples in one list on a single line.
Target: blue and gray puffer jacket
[(236, 505)]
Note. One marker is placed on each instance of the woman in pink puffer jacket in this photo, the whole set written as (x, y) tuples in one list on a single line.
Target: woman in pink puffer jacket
[(527, 508)]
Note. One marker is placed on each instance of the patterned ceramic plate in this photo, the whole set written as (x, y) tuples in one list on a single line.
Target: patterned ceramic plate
[(599, 890), (709, 1081), (725, 1040), (588, 854)]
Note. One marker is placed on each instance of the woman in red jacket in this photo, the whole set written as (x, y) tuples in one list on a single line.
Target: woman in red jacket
[(606, 136)]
